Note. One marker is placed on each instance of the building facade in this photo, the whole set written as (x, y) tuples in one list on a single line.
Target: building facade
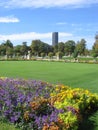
[(54, 38)]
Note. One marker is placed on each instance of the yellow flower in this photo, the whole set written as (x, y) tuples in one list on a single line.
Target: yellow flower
[(3, 78), (26, 115)]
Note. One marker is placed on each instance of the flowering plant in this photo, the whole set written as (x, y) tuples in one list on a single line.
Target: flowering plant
[(76, 103), (37, 105)]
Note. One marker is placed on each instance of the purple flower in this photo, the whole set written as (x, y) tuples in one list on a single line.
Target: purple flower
[(15, 96), (70, 108)]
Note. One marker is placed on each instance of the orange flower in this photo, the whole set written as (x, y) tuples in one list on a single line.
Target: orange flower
[(34, 105), (26, 115)]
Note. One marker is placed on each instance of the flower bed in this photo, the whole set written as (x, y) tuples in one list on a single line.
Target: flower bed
[(37, 105)]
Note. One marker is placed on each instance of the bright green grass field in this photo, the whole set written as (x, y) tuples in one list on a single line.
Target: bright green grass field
[(71, 74)]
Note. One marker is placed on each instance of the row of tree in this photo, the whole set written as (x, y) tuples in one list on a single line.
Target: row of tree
[(39, 48)]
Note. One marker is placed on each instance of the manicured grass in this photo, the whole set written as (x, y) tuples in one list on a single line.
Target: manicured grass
[(5, 126), (71, 74)]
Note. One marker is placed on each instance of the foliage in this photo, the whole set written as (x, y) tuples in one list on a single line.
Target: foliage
[(38, 105), (6, 48), (24, 49), (77, 104), (75, 54), (50, 54), (55, 49), (9, 52), (7, 126), (95, 49), (60, 54), (38, 47), (42, 54), (8, 43), (17, 50), (61, 47), (94, 54), (81, 46), (18, 102), (69, 47)]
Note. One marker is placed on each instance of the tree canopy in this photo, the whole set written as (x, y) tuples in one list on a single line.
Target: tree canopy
[(39, 48)]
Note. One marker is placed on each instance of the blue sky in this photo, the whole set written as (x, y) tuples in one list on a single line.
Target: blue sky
[(27, 20)]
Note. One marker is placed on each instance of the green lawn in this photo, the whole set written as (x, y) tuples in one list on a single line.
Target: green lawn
[(71, 74)]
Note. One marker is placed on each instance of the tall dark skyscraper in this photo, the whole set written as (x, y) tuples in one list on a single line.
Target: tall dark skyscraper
[(54, 38)]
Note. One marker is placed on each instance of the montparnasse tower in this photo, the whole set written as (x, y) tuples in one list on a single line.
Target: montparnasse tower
[(54, 38)]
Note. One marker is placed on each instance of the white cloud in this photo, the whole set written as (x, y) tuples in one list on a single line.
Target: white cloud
[(46, 3), (61, 23), (9, 19), (32, 36), (63, 34)]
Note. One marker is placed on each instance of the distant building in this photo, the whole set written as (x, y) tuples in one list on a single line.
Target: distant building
[(54, 38)]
